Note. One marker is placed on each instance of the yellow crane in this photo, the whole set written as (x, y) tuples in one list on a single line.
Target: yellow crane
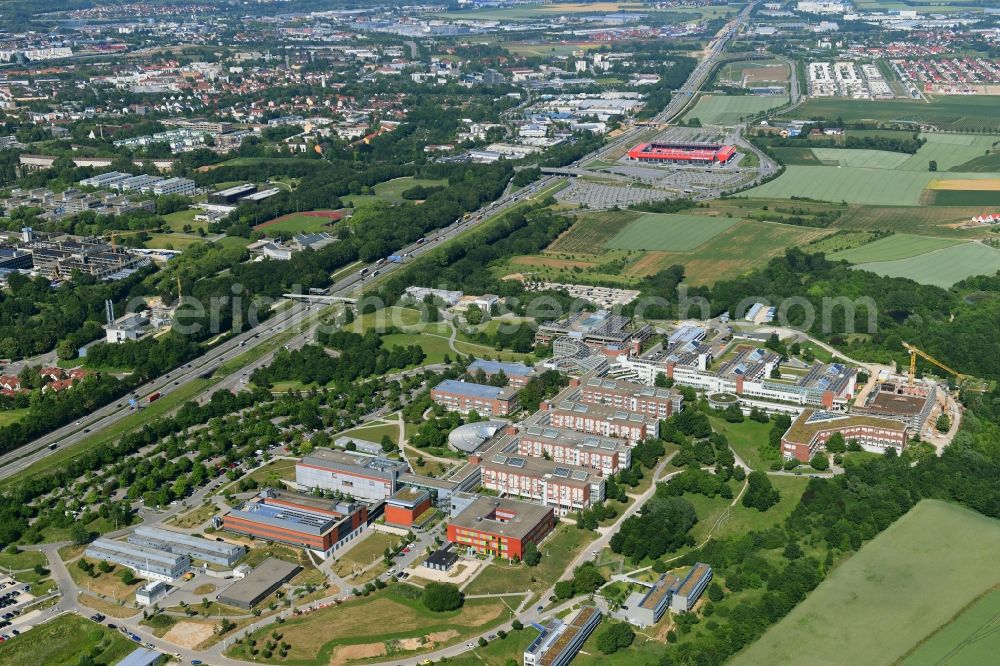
[(914, 353)]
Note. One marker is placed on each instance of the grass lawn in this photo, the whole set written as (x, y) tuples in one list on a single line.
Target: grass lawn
[(109, 608), (259, 553), (368, 551), (435, 347), (374, 433), (879, 597), (669, 233), (8, 416), (176, 241), (558, 550), (61, 641), (890, 248), (392, 190), (195, 517), (178, 219), (109, 585), (729, 110), (745, 439), (232, 241), (942, 267), (498, 652), (386, 622), (295, 224), (26, 559)]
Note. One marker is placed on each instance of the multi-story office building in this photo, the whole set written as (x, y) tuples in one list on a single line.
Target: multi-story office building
[(465, 397), (811, 430), (500, 527), (566, 488), (607, 455), (567, 411), (517, 374), (684, 596), (660, 403)]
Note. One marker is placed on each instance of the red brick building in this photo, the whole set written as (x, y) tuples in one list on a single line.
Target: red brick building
[(464, 397), (500, 527), (405, 506)]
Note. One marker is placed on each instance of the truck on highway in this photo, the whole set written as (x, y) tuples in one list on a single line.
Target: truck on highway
[(153, 397)]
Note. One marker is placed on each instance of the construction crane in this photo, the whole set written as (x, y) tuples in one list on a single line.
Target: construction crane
[(914, 353)]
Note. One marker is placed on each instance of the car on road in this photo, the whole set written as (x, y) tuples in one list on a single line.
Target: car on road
[(112, 626), (470, 645), (196, 662), (538, 609)]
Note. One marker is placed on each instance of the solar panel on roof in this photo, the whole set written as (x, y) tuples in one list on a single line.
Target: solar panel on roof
[(579, 475), (560, 472), (500, 459), (516, 462), (621, 415)]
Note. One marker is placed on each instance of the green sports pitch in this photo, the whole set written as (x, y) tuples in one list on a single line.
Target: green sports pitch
[(668, 232)]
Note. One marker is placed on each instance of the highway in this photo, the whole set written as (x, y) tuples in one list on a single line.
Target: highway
[(300, 314)]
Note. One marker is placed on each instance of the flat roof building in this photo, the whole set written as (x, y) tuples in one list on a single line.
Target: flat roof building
[(317, 525), (367, 478), (266, 577), (405, 506), (607, 455), (560, 641), (231, 195), (566, 488), (569, 410), (517, 374), (142, 656), (148, 563), (465, 397), (150, 593), (811, 430), (682, 153), (500, 527), (684, 596), (196, 548), (661, 403), (600, 330)]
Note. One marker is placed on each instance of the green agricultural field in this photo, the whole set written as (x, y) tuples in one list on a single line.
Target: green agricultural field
[(984, 163), (970, 638), (908, 581), (942, 267), (729, 110), (850, 184), (592, 231), (61, 641), (989, 198), (855, 157), (949, 151), (922, 220), (796, 156), (891, 248), (961, 113), (669, 232)]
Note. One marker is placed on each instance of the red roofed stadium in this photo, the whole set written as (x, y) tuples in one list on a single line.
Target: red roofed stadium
[(687, 153)]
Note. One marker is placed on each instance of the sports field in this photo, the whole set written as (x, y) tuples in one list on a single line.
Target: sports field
[(895, 591), (859, 157), (942, 268), (960, 113), (891, 248), (669, 233), (970, 638), (851, 184), (728, 110)]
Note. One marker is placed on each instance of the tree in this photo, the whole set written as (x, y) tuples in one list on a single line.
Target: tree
[(564, 589), (441, 597), (943, 423), (932, 165), (615, 637), (105, 567), (388, 446), (516, 625), (820, 462), (715, 592), (128, 576), (531, 555), (79, 533), (760, 494), (836, 443), (587, 579), (662, 381)]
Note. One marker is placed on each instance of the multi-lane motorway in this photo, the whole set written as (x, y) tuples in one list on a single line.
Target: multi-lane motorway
[(299, 314)]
